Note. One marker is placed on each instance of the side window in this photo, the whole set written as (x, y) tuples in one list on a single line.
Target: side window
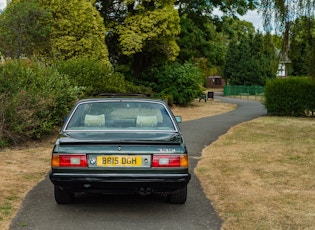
[(167, 122), (77, 118)]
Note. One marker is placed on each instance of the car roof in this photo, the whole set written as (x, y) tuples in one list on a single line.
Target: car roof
[(98, 99)]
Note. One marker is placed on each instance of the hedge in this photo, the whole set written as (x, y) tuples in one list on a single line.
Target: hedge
[(34, 98), (293, 96)]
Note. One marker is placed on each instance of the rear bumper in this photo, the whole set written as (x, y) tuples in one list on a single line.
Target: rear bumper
[(118, 182)]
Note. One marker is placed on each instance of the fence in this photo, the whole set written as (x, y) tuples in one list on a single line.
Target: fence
[(255, 92)]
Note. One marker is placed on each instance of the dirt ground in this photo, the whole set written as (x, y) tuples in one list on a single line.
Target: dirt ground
[(28, 164)]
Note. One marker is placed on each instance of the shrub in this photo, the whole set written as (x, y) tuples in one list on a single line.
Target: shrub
[(292, 96), (97, 77), (34, 98), (178, 83), (310, 97)]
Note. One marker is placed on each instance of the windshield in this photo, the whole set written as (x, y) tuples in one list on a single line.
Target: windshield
[(121, 115)]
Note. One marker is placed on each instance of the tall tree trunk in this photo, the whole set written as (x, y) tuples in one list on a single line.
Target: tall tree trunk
[(312, 59)]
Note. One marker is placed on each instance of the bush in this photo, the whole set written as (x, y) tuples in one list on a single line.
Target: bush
[(290, 96), (177, 83), (97, 77), (34, 99)]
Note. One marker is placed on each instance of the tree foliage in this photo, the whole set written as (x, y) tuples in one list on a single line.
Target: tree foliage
[(53, 29), (153, 31), (251, 61), (204, 38), (302, 43), (77, 30), (178, 83), (94, 77), (203, 7), (285, 11), (34, 98), (24, 29), (202, 44), (146, 31)]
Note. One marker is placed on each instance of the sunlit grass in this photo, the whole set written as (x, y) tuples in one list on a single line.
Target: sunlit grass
[(260, 175)]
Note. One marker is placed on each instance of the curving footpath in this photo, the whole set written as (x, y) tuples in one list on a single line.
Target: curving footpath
[(40, 212)]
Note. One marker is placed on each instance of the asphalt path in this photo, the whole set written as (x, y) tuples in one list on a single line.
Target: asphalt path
[(40, 212)]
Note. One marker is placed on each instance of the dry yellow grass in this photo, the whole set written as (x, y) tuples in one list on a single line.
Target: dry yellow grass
[(202, 109), (22, 168), (261, 174)]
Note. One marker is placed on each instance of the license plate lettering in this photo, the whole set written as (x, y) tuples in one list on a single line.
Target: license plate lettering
[(129, 161), (110, 160), (121, 161)]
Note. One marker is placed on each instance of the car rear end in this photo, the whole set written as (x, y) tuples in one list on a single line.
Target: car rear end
[(125, 154)]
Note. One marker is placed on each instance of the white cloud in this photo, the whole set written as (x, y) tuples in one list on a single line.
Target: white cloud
[(3, 3), (254, 17)]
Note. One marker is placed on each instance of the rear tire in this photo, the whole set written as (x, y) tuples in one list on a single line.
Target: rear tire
[(63, 197), (179, 197)]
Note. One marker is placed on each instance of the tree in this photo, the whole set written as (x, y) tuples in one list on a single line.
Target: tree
[(231, 66), (205, 7), (53, 29), (24, 29), (77, 30), (251, 61), (285, 12), (238, 62), (203, 37), (142, 33), (302, 37), (202, 44), (151, 31), (179, 83), (270, 57)]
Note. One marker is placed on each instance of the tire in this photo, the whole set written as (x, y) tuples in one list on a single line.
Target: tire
[(63, 197), (178, 197)]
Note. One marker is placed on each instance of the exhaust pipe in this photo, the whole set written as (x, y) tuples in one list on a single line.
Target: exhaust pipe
[(145, 191), (148, 191), (142, 191)]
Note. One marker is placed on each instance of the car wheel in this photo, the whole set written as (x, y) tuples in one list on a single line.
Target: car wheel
[(179, 197), (63, 197)]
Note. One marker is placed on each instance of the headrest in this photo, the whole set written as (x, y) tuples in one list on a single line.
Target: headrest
[(146, 121), (94, 120)]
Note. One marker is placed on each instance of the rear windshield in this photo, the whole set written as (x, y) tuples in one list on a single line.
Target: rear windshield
[(120, 115)]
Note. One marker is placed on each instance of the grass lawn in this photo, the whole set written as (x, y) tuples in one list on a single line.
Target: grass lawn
[(261, 174)]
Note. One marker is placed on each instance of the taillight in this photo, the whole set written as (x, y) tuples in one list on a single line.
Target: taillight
[(174, 160), (69, 160)]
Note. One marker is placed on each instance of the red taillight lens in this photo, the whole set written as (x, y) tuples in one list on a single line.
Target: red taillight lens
[(174, 160), (69, 160)]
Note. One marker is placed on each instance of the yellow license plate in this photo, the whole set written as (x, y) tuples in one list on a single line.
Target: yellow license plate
[(119, 161)]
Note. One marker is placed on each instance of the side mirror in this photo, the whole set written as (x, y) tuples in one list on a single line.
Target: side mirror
[(178, 119)]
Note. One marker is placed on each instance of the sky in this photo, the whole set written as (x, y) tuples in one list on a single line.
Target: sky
[(2, 4), (251, 16)]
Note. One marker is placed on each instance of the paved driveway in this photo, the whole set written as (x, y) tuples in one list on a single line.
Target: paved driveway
[(39, 210)]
